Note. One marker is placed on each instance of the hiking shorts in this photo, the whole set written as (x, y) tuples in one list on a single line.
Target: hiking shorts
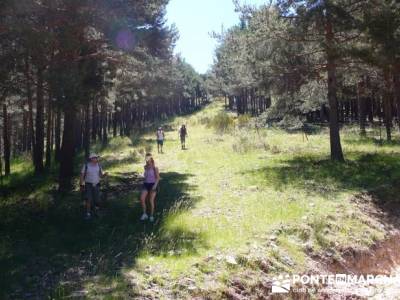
[(92, 193), (160, 142), (147, 186), (183, 138)]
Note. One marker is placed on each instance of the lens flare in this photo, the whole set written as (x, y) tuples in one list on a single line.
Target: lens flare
[(125, 40)]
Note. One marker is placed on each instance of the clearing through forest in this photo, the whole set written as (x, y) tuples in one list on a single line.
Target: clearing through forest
[(235, 209)]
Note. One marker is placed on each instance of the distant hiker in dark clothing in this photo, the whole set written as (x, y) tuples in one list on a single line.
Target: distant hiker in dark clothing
[(183, 134), (150, 184), (160, 139), (91, 175)]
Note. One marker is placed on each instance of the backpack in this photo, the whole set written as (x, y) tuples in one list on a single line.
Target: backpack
[(183, 132)]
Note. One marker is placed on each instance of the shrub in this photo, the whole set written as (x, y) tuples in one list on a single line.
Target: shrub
[(246, 142), (291, 122), (222, 123), (115, 144), (205, 120), (275, 150), (242, 144), (244, 120)]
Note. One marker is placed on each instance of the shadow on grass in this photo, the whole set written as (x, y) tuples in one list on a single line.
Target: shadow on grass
[(372, 141), (307, 128), (50, 250), (23, 183), (310, 173), (375, 175), (111, 161), (145, 143)]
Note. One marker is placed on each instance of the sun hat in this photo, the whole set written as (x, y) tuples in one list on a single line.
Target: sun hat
[(93, 155)]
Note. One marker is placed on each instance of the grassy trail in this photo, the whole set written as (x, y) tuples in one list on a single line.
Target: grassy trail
[(238, 205)]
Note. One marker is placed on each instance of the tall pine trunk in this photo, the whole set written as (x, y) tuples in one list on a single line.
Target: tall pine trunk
[(115, 120), (57, 135), (104, 123), (38, 150), (67, 150), (362, 107), (387, 106), (6, 141), (86, 137), (24, 137), (94, 120), (396, 79), (31, 130), (1, 164), (336, 147), (48, 132)]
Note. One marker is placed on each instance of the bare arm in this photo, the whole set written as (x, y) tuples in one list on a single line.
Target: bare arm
[(82, 179), (157, 179)]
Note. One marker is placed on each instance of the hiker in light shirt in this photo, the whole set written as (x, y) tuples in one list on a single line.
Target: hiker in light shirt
[(91, 175), (160, 139)]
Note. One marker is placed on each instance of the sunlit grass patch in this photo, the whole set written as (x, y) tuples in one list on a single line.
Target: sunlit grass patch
[(247, 192)]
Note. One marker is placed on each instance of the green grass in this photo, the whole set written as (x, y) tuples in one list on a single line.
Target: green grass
[(247, 195)]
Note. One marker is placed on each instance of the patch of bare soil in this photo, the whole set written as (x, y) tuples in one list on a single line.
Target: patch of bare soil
[(382, 258)]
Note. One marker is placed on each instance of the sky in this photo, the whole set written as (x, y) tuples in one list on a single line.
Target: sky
[(195, 19)]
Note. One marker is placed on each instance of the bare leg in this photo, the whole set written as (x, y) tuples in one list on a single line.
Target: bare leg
[(143, 197), (88, 198), (88, 206), (153, 195)]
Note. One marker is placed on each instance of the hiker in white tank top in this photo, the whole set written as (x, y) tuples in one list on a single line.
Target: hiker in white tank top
[(160, 139), (91, 174)]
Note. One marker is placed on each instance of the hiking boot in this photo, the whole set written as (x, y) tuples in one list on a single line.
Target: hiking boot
[(144, 217)]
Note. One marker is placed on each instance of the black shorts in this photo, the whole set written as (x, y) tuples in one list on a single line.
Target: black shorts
[(148, 186), (92, 193), (160, 142)]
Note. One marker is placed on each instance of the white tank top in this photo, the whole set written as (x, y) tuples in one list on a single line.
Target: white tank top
[(160, 135)]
